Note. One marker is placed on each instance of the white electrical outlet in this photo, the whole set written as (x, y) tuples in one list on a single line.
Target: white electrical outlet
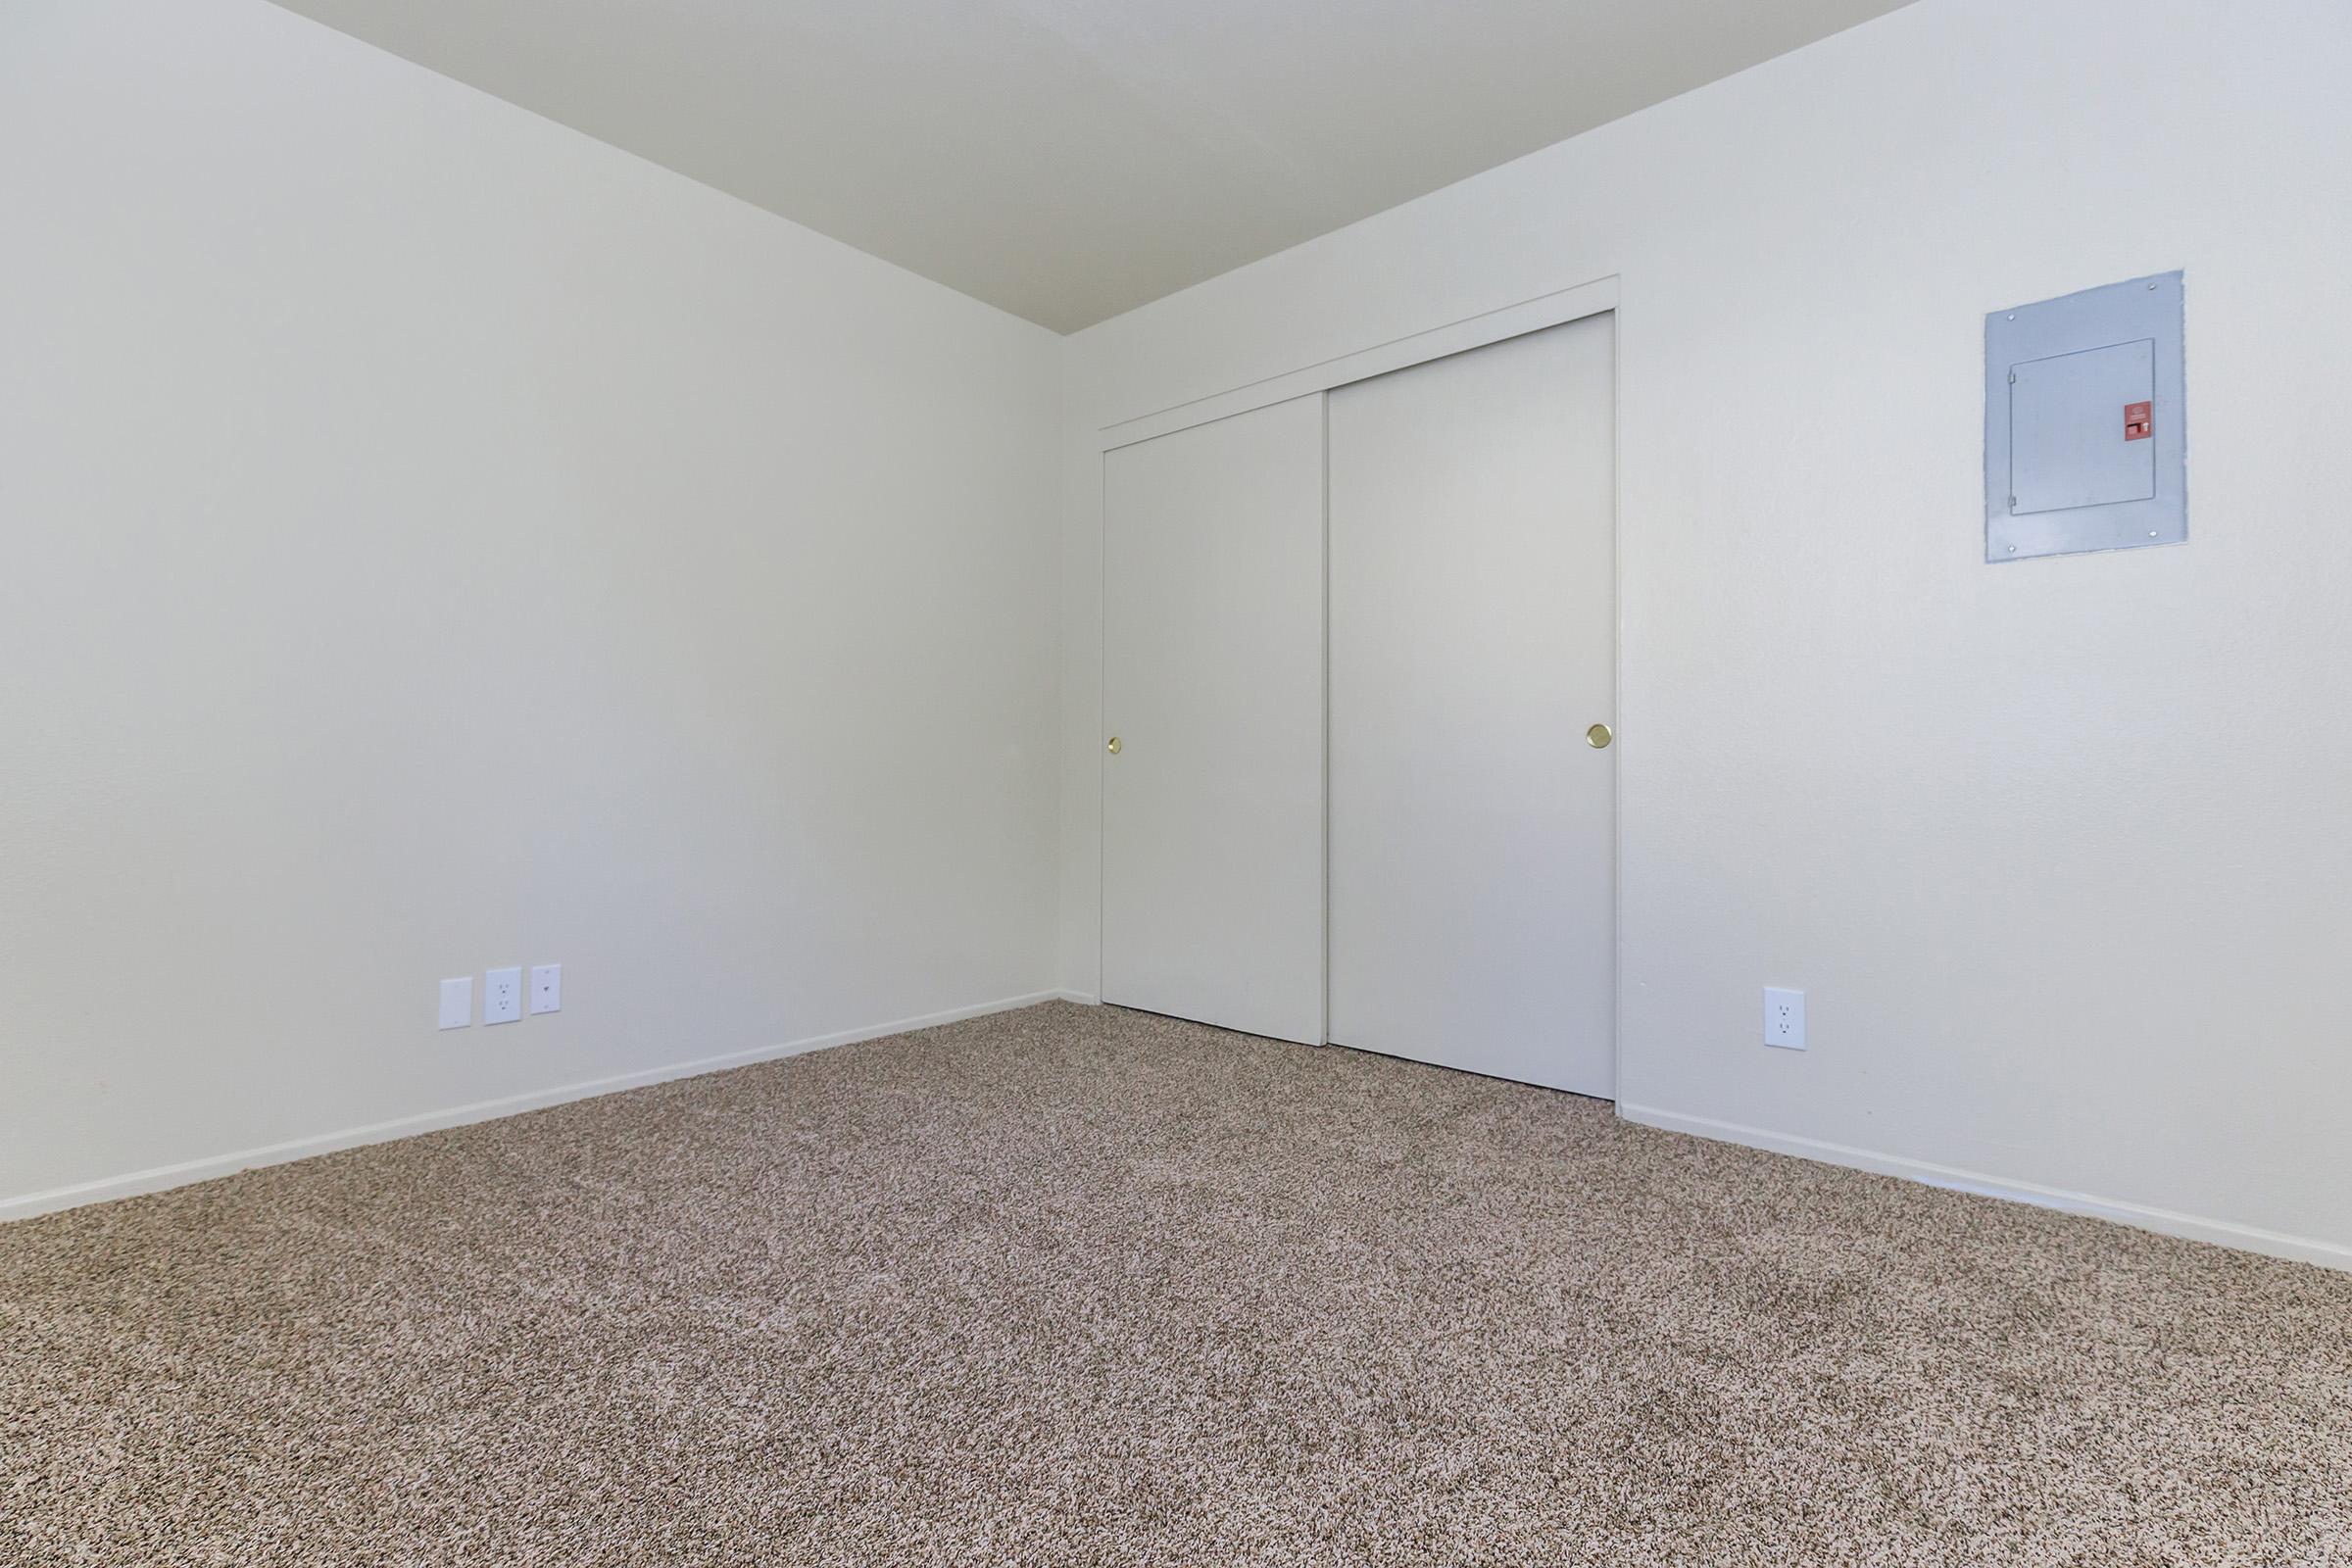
[(546, 988), (1785, 1018), (457, 1003), (502, 996)]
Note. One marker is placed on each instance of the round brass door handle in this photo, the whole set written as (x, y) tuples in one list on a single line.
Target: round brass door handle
[(1599, 736), (1113, 746)]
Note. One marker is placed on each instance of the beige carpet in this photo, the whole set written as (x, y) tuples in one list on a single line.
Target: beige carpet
[(1075, 1285)]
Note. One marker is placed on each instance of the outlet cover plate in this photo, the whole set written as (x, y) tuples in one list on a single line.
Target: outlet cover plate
[(502, 996), (1785, 1018), (457, 1003), (546, 988)]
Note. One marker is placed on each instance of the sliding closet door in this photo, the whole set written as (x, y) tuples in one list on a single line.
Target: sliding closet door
[(1212, 715), (1473, 641)]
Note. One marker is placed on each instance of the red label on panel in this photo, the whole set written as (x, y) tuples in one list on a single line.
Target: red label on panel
[(2139, 421)]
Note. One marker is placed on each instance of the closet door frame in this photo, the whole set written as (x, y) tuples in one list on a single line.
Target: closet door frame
[(1554, 309)]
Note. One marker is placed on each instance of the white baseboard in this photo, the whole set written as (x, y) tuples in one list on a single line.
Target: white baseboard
[(162, 1177), (2246, 1238), (1084, 999)]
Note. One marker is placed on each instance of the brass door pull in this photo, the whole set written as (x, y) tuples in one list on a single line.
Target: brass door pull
[(1598, 737), (1112, 747)]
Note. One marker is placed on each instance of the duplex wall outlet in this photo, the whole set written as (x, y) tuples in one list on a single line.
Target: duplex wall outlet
[(457, 1003), (1785, 1018), (502, 996), (546, 988)]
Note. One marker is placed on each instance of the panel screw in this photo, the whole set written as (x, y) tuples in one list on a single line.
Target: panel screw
[(2013, 550)]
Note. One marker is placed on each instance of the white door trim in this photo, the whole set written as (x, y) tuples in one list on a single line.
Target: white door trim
[(1454, 337)]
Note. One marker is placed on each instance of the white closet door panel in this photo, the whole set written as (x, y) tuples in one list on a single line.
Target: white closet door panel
[(1473, 640), (1213, 681)]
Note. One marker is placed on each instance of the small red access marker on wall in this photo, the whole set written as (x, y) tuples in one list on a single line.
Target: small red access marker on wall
[(2139, 421)]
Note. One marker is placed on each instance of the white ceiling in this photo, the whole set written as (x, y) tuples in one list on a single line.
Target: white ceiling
[(1070, 159)]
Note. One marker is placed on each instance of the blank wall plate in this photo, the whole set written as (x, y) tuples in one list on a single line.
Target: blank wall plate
[(502, 996), (546, 988), (457, 1003), (1785, 1018)]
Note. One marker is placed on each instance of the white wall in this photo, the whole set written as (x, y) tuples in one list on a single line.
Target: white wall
[(2060, 850), (430, 539)]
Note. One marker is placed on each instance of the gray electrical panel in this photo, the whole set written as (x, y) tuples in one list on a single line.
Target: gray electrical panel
[(2086, 433)]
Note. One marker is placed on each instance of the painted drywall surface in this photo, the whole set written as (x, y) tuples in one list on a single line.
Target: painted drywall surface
[(2059, 851), (430, 539)]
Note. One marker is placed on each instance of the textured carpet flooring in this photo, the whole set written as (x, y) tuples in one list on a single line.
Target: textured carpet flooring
[(1075, 1285)]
